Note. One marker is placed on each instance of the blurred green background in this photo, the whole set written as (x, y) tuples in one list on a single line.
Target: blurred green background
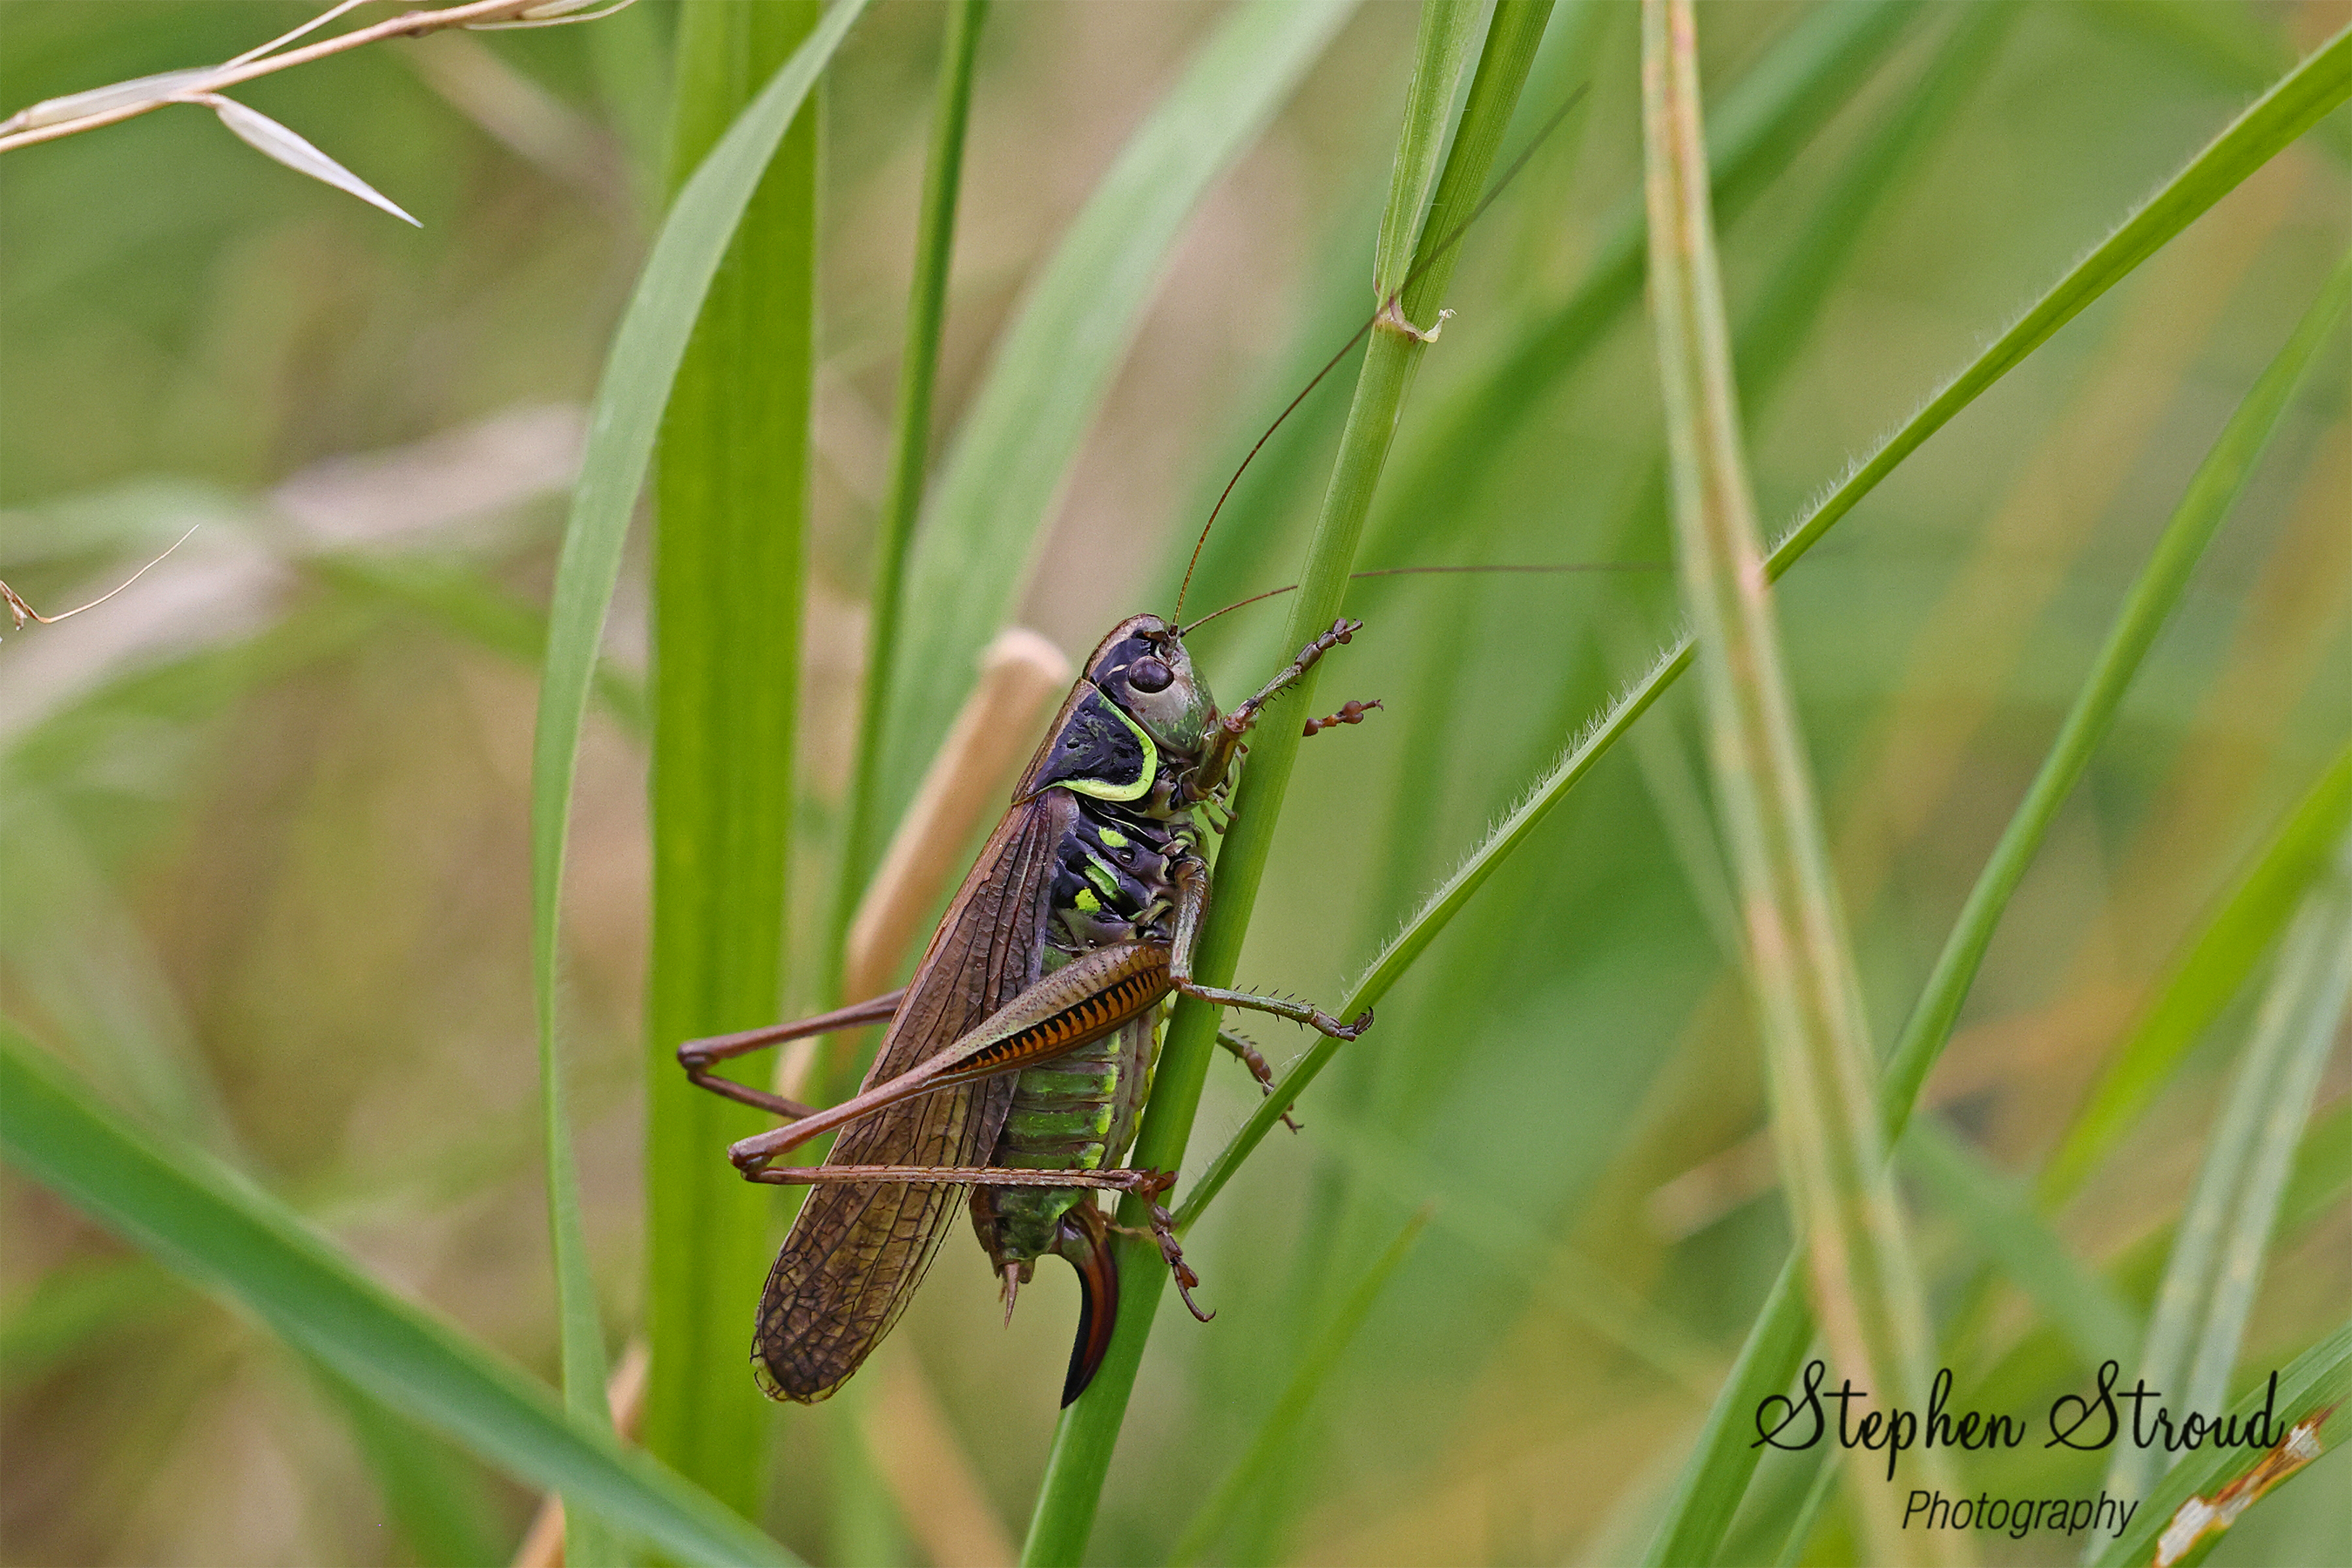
[(264, 859)]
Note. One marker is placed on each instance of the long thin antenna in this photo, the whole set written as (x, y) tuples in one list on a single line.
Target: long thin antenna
[(1424, 265), (1416, 570)]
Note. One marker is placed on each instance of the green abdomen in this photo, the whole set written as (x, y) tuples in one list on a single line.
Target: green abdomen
[(1076, 1113)]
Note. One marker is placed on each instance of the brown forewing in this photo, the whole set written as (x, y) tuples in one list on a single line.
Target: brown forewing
[(858, 1250)]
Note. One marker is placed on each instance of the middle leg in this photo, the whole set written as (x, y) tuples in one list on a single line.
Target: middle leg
[(1192, 878), (1246, 1051)]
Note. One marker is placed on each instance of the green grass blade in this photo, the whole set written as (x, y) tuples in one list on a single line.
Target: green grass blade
[(1277, 1435), (730, 515), (1448, 42), (2317, 1379), (1090, 1428), (2297, 102), (2217, 1250), (1706, 1492), (1057, 362), (205, 1223), (2208, 976), (2318, 84), (1710, 1488), (2005, 1225), (2304, 1010), (910, 453), (2154, 596), (639, 371), (1799, 966), (1765, 120)]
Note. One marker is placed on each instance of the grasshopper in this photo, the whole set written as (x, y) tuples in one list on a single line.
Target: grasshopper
[(1015, 1062)]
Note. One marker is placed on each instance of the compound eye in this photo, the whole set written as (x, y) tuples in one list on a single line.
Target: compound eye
[(1148, 675)]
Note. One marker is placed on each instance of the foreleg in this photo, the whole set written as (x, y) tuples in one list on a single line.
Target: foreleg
[(1225, 736)]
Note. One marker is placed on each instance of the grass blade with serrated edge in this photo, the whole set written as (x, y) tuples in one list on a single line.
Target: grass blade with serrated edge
[(1805, 995), (729, 524), (2320, 83), (2219, 1246), (910, 453), (1280, 1428), (1090, 1428), (2319, 1378), (1719, 1468), (2206, 977), (1054, 365), (647, 348), (218, 1230)]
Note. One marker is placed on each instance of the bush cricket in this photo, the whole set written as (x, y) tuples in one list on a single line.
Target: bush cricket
[(1016, 1060)]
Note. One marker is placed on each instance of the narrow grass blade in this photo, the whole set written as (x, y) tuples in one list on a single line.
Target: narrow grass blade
[(730, 515), (1279, 1432), (2217, 1250), (2208, 976), (2297, 102), (2320, 1378), (1090, 1428), (1448, 42), (1056, 363), (2004, 1225), (2154, 596), (2318, 84), (648, 350), (910, 454), (2304, 1012), (1800, 967), (1719, 1469), (1764, 120), (224, 1234)]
